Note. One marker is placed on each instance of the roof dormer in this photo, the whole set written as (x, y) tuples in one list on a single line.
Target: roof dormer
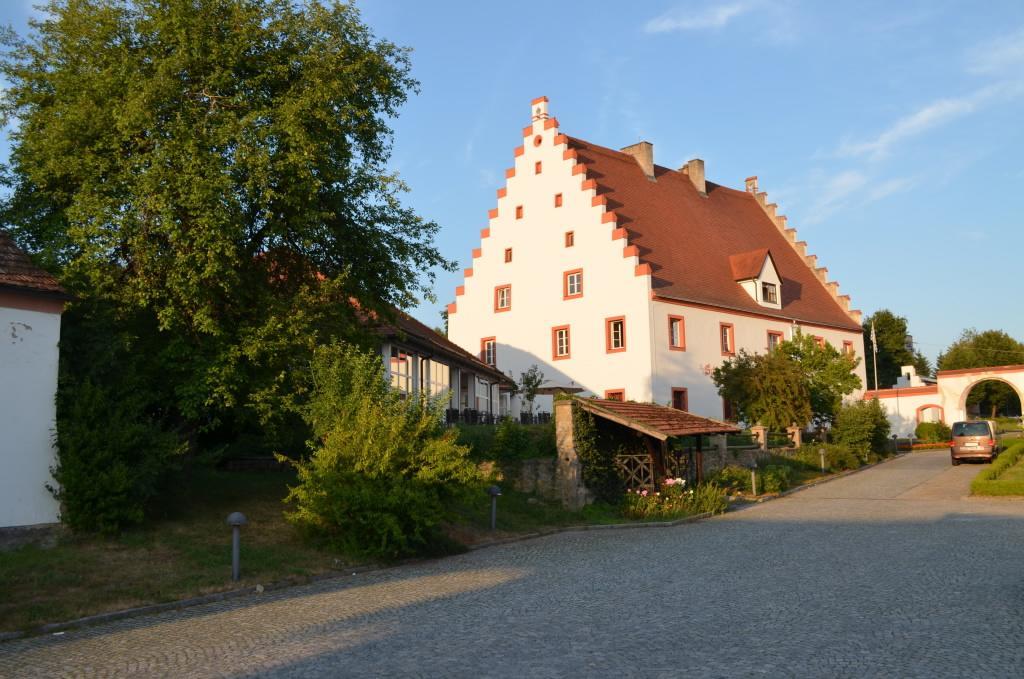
[(756, 273)]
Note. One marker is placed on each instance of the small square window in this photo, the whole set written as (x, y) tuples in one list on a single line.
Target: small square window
[(519, 211), (570, 239), (508, 254), (558, 200), (679, 398), (537, 167)]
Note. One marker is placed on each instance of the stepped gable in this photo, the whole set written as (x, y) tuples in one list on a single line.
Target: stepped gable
[(687, 239), (17, 272)]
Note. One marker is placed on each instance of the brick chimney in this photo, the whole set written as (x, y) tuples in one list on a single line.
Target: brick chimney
[(694, 169), (643, 153)]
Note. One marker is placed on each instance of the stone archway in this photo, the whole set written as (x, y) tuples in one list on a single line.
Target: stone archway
[(956, 385), (930, 412)]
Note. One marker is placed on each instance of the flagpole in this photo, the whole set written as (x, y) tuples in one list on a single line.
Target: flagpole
[(874, 352)]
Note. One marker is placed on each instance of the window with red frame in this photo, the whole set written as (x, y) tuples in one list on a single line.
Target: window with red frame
[(503, 298), (676, 333), (537, 167), (679, 398), (487, 351), (560, 346), (570, 239), (774, 338), (519, 211), (508, 255), (727, 339), (558, 200), (615, 334), (572, 284)]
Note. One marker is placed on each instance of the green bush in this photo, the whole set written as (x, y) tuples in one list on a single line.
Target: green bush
[(112, 458), (383, 469), (863, 428), (773, 478), (933, 432), (509, 440), (733, 477)]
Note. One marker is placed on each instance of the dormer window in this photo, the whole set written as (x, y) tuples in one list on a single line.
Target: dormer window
[(755, 272)]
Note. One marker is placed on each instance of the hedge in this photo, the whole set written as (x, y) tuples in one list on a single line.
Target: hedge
[(988, 482)]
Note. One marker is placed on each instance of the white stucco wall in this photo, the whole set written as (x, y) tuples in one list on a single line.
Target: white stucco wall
[(28, 383), (686, 369), (539, 260)]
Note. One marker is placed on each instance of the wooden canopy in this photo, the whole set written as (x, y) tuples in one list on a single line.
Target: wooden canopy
[(659, 422)]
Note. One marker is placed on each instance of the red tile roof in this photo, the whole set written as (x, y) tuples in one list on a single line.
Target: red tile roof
[(406, 327), (688, 238), (748, 264), (17, 271), (654, 419)]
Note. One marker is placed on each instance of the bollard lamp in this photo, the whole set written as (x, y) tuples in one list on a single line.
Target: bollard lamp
[(236, 520)]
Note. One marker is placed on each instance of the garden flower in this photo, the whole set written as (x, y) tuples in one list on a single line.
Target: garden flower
[(643, 493)]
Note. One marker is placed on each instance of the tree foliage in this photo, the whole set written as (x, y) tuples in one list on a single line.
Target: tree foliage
[(213, 171), (862, 426), (894, 349), (529, 383), (796, 383), (382, 468), (982, 349)]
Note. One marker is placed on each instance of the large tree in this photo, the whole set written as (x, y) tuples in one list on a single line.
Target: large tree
[(894, 349), (982, 349), (800, 381), (209, 178)]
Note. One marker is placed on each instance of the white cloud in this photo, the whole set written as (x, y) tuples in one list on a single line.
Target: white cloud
[(933, 115), (997, 55), (686, 19), (890, 187)]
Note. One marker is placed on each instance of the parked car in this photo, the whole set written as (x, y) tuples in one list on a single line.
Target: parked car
[(973, 440)]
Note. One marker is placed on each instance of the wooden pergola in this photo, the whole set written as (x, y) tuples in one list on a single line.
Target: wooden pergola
[(657, 424)]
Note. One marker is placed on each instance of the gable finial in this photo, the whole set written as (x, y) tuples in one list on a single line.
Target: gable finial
[(539, 108)]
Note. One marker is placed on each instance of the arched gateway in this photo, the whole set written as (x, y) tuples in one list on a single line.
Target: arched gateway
[(914, 399)]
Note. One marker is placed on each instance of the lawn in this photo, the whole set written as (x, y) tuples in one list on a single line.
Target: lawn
[(184, 554), (1005, 476)]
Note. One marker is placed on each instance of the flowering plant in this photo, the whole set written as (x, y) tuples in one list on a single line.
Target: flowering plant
[(673, 501)]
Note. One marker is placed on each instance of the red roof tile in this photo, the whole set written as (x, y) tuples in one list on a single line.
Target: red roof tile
[(748, 265), (18, 272), (656, 418), (688, 238)]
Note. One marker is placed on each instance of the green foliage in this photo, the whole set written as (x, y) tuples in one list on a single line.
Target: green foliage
[(771, 478), (933, 432), (529, 383), (893, 349), (1004, 476), (765, 388), (863, 428), (674, 501), (828, 374), (382, 468), (509, 440), (214, 172), (112, 459), (1005, 424), (597, 458), (982, 349), (733, 477)]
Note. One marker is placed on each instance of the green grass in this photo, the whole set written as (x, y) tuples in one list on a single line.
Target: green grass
[(522, 513), (1005, 476), (187, 552)]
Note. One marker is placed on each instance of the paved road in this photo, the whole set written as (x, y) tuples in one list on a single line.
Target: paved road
[(890, 572)]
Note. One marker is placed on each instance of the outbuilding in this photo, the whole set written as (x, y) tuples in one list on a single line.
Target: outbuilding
[(31, 303)]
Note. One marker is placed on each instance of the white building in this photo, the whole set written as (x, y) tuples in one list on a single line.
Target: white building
[(631, 280), (31, 303)]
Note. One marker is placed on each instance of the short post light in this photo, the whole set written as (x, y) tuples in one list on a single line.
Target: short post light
[(753, 478), (895, 444), (236, 520), (821, 452), (494, 492)]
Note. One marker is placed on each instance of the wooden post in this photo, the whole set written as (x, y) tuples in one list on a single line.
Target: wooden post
[(699, 461)]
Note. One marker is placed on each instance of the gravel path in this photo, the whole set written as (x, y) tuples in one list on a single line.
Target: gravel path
[(890, 572)]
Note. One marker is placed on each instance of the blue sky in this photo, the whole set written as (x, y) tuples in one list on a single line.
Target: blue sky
[(890, 134)]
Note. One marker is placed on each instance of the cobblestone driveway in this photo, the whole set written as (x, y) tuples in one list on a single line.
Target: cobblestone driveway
[(890, 572)]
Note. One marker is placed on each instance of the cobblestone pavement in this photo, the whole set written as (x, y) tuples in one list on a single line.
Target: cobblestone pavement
[(890, 572)]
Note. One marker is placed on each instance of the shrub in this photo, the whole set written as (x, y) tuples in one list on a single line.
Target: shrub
[(773, 478), (112, 458), (988, 482), (674, 501), (383, 469), (862, 427), (933, 432), (597, 458), (733, 477)]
